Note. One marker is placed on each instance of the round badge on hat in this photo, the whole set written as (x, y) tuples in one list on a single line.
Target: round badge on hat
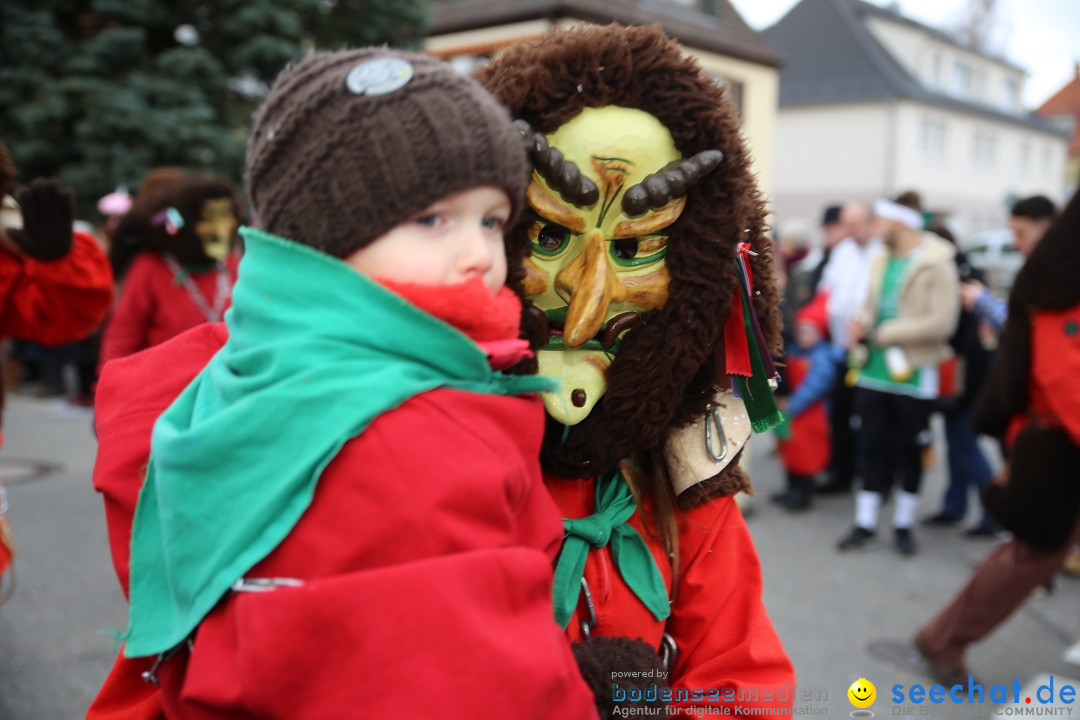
[(379, 76)]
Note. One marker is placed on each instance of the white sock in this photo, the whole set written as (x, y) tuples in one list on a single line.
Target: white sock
[(904, 516), (867, 504)]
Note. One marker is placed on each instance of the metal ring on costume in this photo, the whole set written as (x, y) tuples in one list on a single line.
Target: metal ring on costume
[(588, 627), (669, 654), (712, 412)]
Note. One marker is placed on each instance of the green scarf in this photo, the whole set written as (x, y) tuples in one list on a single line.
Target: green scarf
[(316, 351), (614, 507)]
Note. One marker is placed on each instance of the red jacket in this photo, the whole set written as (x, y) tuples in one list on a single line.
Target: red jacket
[(425, 555), (59, 301), (807, 449), (153, 307), (727, 648)]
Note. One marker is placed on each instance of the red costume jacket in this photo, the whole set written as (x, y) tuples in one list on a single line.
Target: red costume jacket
[(154, 307), (58, 301), (52, 303), (728, 652), (1055, 368), (426, 559)]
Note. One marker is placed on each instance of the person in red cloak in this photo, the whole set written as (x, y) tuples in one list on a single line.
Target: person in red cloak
[(55, 283), (175, 255), (655, 302)]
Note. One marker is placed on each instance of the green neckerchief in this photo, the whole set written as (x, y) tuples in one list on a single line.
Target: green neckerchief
[(614, 507), (316, 351)]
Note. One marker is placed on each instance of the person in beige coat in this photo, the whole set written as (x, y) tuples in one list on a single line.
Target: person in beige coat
[(900, 339)]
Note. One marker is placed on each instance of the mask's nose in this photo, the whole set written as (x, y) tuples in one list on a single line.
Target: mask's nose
[(590, 285)]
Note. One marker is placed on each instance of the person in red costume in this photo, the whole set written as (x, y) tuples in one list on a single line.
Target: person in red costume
[(330, 505), (55, 282), (174, 255), (656, 304), (1032, 401)]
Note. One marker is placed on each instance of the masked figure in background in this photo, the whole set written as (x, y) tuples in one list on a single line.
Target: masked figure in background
[(55, 282), (655, 304), (174, 255)]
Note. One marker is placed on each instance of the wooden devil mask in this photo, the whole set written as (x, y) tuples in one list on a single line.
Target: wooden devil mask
[(641, 194)]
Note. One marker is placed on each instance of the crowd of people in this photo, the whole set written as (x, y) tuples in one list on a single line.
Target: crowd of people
[(911, 328), (914, 331)]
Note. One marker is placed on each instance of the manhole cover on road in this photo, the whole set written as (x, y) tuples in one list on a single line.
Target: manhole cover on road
[(13, 472)]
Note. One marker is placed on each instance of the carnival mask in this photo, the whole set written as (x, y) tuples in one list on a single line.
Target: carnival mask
[(607, 186), (216, 227)]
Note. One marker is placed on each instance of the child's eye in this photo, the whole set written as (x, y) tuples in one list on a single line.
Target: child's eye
[(492, 222), (428, 220)]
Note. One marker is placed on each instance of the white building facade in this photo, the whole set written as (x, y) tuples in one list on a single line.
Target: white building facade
[(873, 104)]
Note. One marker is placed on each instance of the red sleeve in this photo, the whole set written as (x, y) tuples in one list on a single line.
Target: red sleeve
[(59, 301), (128, 329), (729, 653), (1055, 367)]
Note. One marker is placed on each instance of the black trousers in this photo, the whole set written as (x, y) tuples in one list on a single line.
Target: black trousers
[(845, 447), (894, 429)]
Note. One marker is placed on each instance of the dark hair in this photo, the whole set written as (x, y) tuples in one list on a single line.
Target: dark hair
[(8, 172), (910, 199), (831, 216), (942, 232), (1036, 207)]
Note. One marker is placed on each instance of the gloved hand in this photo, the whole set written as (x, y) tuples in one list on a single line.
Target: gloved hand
[(48, 213), (635, 667)]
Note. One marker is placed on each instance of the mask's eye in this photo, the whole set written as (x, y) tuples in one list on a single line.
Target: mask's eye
[(548, 239), (639, 251)]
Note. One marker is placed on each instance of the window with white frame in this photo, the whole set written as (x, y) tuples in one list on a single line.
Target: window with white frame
[(1025, 156), (963, 78), (933, 74), (1012, 93), (932, 139), (983, 148)]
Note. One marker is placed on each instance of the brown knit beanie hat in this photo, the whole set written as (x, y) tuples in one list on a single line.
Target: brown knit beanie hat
[(350, 144)]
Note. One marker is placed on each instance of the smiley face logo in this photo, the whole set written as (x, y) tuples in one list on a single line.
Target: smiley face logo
[(862, 693)]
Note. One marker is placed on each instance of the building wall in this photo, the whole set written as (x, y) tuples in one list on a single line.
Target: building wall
[(830, 154), (758, 84), (835, 153), (933, 63), (981, 167), (760, 93)]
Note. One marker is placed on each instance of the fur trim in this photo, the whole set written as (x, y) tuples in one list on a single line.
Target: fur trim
[(136, 232), (733, 479), (663, 376), (599, 657)]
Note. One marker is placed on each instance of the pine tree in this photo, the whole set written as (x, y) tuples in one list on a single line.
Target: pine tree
[(97, 93)]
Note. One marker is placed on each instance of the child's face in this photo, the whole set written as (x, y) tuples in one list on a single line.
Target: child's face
[(456, 238), (807, 335)]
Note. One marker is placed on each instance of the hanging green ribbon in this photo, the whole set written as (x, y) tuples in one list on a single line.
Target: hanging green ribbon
[(754, 390), (608, 526)]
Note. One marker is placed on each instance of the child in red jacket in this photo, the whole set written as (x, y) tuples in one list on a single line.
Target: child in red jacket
[(804, 443), (342, 514)]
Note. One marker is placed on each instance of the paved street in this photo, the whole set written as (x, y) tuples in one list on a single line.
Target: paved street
[(827, 608)]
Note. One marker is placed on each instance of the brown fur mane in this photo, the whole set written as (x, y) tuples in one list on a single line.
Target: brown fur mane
[(664, 374)]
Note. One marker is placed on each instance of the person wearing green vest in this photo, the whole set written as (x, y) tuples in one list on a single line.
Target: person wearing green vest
[(342, 512), (905, 324)]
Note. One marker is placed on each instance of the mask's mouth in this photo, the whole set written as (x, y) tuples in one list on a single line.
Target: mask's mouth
[(607, 340)]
